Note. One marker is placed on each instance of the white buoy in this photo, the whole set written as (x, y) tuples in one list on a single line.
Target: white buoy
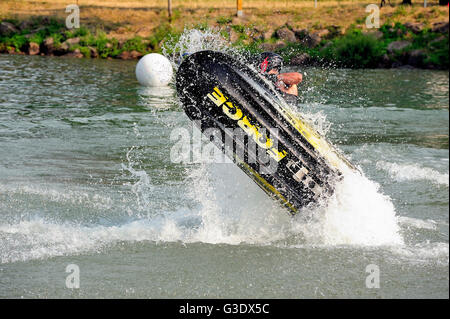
[(154, 70)]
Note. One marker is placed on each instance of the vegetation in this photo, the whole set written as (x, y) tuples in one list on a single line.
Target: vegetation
[(106, 47), (356, 50), (108, 33), (128, 18)]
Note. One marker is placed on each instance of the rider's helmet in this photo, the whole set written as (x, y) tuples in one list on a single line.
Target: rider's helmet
[(268, 61)]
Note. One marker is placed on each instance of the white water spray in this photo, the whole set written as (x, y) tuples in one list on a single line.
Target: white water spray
[(193, 40), (357, 214)]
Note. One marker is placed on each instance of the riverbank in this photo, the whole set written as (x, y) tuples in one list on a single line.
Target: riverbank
[(408, 36)]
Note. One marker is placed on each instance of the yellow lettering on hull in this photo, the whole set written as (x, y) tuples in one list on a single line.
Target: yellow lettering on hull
[(235, 113)]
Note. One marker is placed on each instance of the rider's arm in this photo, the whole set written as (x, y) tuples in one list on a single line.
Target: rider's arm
[(291, 89), (290, 78)]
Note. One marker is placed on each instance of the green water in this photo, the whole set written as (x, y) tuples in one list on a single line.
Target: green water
[(86, 179)]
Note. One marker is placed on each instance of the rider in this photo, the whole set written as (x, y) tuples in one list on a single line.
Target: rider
[(270, 65)]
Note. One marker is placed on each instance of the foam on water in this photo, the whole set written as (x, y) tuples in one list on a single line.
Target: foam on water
[(85, 198), (410, 172), (38, 238), (233, 209), (418, 223), (142, 187), (422, 253)]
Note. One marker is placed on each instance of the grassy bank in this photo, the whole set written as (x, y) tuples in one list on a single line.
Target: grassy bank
[(128, 18), (334, 33)]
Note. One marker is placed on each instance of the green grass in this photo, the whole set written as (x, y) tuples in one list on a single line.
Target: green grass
[(439, 54), (224, 20), (238, 28), (400, 11)]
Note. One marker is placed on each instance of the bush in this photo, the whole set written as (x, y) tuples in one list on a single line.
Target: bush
[(16, 41), (88, 39), (293, 49), (356, 50), (36, 38), (48, 26), (57, 38), (135, 44), (85, 51), (391, 33), (107, 47), (438, 53), (80, 32)]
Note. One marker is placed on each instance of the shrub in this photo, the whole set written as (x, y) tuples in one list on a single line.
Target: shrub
[(356, 50), (438, 53), (36, 38), (88, 39), (135, 44), (57, 38), (293, 49), (85, 51), (16, 41), (391, 34), (80, 32)]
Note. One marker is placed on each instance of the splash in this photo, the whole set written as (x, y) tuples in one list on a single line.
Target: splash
[(140, 185), (357, 214), (193, 40), (234, 210)]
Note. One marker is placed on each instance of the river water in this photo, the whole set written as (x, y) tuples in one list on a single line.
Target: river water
[(86, 179)]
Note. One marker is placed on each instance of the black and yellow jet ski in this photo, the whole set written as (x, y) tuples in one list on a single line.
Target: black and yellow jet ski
[(259, 131)]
